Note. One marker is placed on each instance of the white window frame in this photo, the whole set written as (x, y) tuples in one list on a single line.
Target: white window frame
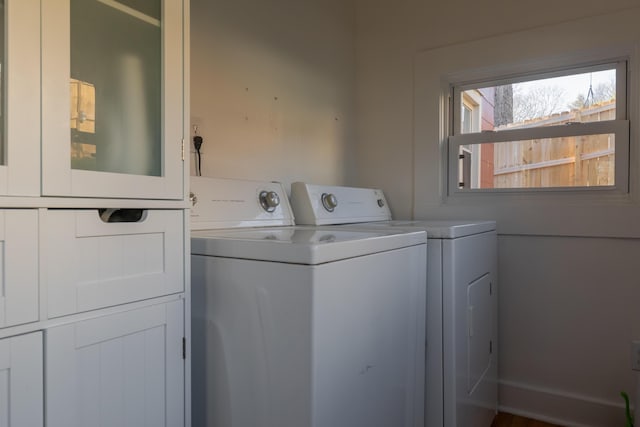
[(619, 127)]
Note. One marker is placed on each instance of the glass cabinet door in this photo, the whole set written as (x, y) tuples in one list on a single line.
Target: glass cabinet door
[(19, 97), (116, 65)]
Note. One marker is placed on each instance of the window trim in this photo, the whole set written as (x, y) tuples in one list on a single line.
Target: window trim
[(620, 127)]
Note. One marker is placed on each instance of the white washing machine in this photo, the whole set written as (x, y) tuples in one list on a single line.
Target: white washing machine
[(301, 326), (462, 309)]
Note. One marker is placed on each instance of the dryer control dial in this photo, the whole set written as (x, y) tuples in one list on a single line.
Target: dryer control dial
[(329, 201), (269, 200), (381, 203)]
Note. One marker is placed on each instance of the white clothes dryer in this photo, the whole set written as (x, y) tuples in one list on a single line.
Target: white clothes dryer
[(301, 326), (461, 386)]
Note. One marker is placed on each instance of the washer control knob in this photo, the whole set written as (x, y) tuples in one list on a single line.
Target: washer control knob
[(381, 203), (269, 200), (193, 198), (329, 201)]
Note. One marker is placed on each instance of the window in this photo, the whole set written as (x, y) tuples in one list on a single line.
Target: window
[(562, 129)]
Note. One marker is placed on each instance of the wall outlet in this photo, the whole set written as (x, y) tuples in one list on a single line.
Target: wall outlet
[(635, 355)]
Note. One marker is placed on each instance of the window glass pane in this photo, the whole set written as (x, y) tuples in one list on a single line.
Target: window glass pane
[(583, 97), (575, 161), (115, 86)]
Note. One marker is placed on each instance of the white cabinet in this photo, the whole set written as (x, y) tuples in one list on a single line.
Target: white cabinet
[(92, 264), (119, 65), (125, 369), (21, 382), (18, 266), (20, 66), (92, 115)]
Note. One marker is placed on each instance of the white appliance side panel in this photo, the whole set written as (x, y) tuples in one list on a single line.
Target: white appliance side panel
[(368, 340), (18, 266), (21, 396), (434, 364), (251, 343), (465, 260), (117, 370), (92, 264)]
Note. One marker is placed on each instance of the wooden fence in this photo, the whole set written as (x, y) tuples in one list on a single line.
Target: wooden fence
[(555, 162)]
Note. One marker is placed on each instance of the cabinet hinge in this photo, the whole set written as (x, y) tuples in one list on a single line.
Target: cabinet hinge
[(183, 149), (184, 348)]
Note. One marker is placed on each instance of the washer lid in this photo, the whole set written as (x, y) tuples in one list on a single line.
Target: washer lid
[(300, 245)]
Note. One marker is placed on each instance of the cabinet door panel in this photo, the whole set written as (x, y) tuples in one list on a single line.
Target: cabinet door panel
[(93, 264), (119, 370), (122, 136), (20, 62), (21, 384), (18, 266)]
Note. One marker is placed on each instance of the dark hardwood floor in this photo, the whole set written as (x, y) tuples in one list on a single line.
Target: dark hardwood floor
[(508, 420)]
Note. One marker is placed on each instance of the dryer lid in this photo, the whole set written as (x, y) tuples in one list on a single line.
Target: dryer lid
[(439, 229)]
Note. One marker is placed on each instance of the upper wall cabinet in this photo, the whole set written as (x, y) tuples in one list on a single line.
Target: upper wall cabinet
[(112, 98), (20, 97)]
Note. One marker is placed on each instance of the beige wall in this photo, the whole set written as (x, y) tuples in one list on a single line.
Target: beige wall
[(272, 88)]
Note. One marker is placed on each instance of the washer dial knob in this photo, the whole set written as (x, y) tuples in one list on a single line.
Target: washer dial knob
[(269, 200), (381, 203), (329, 201)]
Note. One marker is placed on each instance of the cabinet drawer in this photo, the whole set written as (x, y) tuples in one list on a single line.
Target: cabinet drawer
[(92, 264), (21, 381), (124, 369), (18, 266)]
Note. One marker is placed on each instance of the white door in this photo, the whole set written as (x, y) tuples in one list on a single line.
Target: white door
[(20, 98), (112, 99), (18, 266), (124, 370), (21, 403)]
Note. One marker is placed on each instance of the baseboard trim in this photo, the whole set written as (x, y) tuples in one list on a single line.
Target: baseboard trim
[(559, 407)]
